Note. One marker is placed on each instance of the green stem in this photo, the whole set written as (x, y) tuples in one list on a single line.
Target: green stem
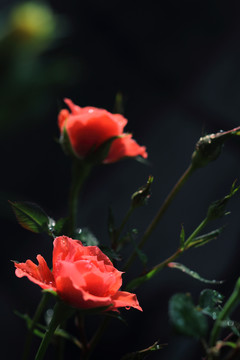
[(227, 309), (140, 280), (196, 232), (35, 319), (161, 212), (80, 172), (94, 341), (125, 220), (61, 313)]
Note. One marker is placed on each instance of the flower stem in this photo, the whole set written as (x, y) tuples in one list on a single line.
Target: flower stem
[(61, 313), (35, 319), (94, 341), (140, 280), (168, 200), (125, 220), (80, 172), (227, 309), (196, 232)]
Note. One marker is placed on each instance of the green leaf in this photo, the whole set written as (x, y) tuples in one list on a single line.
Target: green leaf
[(210, 302), (182, 236), (60, 226), (217, 208), (86, 237), (204, 239), (192, 273), (143, 354), (186, 318), (31, 216), (58, 332)]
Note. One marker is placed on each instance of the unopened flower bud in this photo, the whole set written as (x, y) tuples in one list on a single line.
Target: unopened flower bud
[(209, 147), (140, 197)]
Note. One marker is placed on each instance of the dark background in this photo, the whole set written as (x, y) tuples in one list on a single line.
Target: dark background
[(177, 65)]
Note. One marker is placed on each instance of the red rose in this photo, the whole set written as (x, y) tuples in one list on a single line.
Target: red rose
[(83, 276), (90, 127)]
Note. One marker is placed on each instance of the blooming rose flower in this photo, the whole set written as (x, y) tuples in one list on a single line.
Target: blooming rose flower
[(90, 127), (82, 276)]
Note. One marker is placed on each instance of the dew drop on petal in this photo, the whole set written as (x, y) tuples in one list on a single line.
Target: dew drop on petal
[(127, 307)]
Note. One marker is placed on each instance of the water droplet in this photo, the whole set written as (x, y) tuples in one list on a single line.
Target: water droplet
[(48, 316), (214, 315), (90, 111), (127, 307)]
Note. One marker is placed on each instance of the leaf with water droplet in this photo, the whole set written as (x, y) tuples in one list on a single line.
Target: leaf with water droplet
[(31, 216), (60, 227), (86, 237), (210, 302), (192, 273), (185, 316)]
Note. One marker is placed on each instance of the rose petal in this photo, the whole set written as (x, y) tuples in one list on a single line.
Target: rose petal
[(125, 147), (126, 299), (78, 297), (62, 117), (66, 248), (39, 274)]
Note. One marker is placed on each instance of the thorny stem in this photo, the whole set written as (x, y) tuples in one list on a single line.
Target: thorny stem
[(161, 212)]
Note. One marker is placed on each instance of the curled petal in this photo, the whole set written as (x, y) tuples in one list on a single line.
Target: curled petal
[(125, 299), (66, 248), (39, 274), (125, 146)]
